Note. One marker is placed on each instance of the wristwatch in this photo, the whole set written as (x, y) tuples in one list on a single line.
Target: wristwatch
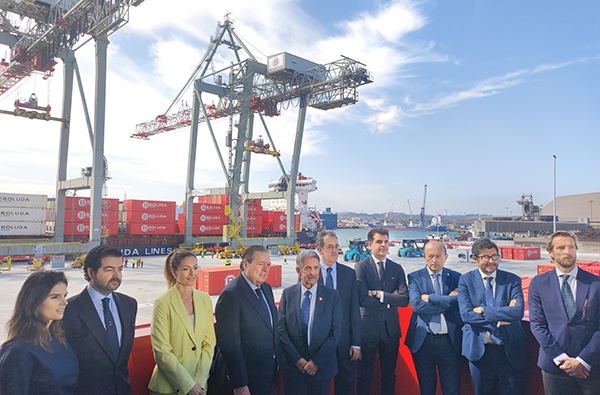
[(374, 294)]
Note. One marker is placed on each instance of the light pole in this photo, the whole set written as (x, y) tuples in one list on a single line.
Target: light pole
[(591, 202), (554, 201)]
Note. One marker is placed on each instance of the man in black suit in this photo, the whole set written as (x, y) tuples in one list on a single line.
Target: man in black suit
[(100, 326), (343, 279), (246, 326), (381, 290), (310, 319)]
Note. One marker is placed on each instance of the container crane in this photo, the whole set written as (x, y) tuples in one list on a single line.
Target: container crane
[(410, 223), (386, 215), (254, 88), (422, 219)]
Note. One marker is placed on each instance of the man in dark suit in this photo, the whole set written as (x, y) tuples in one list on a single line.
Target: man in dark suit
[(564, 311), (491, 305), (310, 319), (246, 326), (434, 332), (343, 279), (100, 326), (381, 290)]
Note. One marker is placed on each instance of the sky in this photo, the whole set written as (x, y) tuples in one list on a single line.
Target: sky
[(472, 98)]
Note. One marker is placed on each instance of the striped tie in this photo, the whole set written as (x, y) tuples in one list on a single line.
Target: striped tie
[(567, 296)]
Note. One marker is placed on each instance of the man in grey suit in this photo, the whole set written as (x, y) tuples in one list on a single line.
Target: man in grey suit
[(100, 326), (310, 320), (343, 279)]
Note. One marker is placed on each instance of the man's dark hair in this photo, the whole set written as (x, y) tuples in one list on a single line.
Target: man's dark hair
[(377, 231), (482, 244), (320, 241), (249, 255), (93, 260)]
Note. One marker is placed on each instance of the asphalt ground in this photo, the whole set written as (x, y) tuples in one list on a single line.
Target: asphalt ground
[(147, 283)]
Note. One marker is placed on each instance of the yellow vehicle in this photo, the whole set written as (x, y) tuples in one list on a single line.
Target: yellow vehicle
[(78, 261), (36, 264), (229, 253), (287, 249), (5, 264)]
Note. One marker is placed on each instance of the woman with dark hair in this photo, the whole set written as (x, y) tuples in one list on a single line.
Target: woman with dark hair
[(182, 331), (36, 358)]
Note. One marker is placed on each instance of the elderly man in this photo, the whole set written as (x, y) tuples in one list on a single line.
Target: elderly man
[(100, 325), (246, 326), (564, 311), (491, 305), (381, 290), (310, 320), (343, 279), (434, 331)]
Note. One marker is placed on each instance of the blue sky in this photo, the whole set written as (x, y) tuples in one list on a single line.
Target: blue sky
[(471, 98)]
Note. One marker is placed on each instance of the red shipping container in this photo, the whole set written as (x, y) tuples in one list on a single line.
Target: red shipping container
[(545, 268), (506, 252), (79, 229), (594, 269), (207, 230), (212, 280), (526, 253), (85, 202), (151, 229), (181, 227), (214, 219), (78, 215), (207, 208), (155, 206), (149, 217), (277, 228)]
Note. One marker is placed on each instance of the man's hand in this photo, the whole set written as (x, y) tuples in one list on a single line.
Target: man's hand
[(455, 292), (425, 298), (354, 354), (242, 391), (501, 323), (574, 368), (478, 310), (310, 368), (301, 363), (513, 303)]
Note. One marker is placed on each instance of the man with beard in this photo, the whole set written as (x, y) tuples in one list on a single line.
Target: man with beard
[(491, 305), (564, 307), (100, 325)]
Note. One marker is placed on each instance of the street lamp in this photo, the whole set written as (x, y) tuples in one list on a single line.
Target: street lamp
[(554, 201), (591, 202)]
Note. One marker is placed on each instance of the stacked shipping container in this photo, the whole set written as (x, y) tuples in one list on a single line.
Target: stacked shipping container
[(208, 219), (22, 214), (149, 217), (77, 216)]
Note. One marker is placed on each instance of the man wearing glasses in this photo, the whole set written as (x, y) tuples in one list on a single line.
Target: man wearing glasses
[(564, 309), (343, 279), (491, 305)]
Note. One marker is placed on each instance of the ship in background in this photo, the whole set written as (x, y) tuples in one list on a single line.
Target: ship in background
[(436, 226)]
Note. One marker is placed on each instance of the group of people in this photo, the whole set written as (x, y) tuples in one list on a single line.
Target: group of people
[(330, 325), (135, 262)]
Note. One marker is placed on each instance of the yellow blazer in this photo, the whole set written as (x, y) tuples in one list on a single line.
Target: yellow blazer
[(183, 355)]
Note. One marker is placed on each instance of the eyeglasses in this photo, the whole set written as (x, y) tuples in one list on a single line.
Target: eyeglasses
[(486, 258)]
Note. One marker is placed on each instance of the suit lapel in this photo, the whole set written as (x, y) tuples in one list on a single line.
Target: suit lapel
[(126, 323), (500, 287), (258, 304), (582, 292), (89, 316), (179, 308), (319, 308), (426, 283)]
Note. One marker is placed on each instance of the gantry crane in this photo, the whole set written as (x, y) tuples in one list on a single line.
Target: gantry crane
[(252, 88), (422, 219), (37, 33)]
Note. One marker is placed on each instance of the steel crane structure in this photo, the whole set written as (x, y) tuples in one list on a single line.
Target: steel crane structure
[(37, 33), (422, 219), (253, 88)]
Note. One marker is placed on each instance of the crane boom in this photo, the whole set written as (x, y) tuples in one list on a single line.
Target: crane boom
[(422, 219)]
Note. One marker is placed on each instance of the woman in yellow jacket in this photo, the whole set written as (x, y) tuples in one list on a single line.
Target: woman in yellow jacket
[(182, 331)]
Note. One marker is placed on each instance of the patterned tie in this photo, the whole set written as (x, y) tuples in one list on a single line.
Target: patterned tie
[(567, 296), (259, 293), (489, 301), (329, 279), (381, 271), (305, 314), (111, 329), (435, 325)]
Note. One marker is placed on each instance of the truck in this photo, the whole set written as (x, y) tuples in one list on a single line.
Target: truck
[(412, 247), (357, 250)]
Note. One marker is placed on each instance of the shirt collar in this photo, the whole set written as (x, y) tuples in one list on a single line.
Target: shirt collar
[(324, 266), (97, 296), (483, 275), (431, 273), (250, 283), (312, 290), (572, 273)]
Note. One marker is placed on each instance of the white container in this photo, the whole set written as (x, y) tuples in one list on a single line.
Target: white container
[(22, 200), (23, 228), (284, 63), (22, 214)]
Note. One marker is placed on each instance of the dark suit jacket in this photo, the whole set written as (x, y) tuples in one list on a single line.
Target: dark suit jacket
[(471, 294), (373, 313), (99, 373), (325, 333), (419, 283), (556, 334), (347, 288), (248, 342)]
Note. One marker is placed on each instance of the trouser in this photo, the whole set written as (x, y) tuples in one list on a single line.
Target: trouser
[(388, 356)]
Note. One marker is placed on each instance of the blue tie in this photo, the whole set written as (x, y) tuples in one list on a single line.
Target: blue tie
[(329, 279), (305, 314), (567, 296), (489, 301), (111, 329), (435, 325)]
